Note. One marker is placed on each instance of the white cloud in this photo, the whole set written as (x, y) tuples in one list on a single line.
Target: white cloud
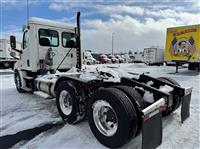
[(185, 17), (132, 33), (19, 3), (12, 30), (147, 29), (58, 7), (63, 5), (7, 34), (118, 9), (8, 1)]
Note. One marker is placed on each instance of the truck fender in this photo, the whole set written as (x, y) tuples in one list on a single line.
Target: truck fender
[(65, 78)]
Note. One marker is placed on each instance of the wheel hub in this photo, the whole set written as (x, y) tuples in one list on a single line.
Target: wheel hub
[(105, 118), (65, 102)]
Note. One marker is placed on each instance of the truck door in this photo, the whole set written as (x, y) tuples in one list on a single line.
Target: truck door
[(71, 59), (24, 63), (48, 47), (54, 44)]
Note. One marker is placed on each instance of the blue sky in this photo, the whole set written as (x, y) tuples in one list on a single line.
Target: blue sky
[(136, 24)]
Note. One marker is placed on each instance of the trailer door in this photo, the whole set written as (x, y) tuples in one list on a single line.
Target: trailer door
[(149, 55)]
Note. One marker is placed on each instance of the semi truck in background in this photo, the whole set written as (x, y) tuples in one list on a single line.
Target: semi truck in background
[(183, 46), (113, 103), (88, 59), (153, 56), (138, 57), (7, 56)]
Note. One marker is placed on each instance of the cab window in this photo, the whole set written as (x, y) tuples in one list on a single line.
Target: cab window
[(25, 40), (68, 39), (48, 38)]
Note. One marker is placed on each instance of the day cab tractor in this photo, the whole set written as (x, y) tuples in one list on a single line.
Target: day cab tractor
[(104, 59), (113, 59), (120, 59), (118, 107)]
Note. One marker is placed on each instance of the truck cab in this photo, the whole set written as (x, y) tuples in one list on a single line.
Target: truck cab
[(47, 46), (44, 45)]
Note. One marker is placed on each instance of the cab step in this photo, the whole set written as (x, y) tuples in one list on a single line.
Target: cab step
[(42, 94), (28, 78)]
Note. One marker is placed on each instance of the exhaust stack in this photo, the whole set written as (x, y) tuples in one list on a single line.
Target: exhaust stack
[(79, 62)]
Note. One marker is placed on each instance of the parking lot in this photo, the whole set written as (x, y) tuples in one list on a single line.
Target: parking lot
[(30, 121)]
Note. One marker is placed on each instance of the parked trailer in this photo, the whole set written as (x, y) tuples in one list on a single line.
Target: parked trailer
[(153, 55), (6, 60), (117, 106), (182, 46)]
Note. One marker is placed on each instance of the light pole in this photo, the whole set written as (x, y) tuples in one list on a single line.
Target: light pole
[(112, 42)]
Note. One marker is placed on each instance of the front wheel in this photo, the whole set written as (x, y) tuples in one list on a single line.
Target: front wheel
[(112, 117), (18, 82)]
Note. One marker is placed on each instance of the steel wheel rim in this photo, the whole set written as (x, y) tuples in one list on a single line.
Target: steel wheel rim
[(65, 102), (105, 118)]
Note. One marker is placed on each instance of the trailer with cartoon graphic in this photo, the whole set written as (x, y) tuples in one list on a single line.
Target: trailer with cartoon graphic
[(183, 46)]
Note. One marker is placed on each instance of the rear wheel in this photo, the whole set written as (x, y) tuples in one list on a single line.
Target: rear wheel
[(176, 98), (112, 117), (136, 100), (68, 103)]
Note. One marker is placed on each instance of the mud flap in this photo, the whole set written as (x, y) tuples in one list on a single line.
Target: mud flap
[(185, 107), (152, 125), (152, 132)]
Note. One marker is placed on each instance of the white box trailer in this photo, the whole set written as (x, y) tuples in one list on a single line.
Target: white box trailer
[(6, 60), (153, 55)]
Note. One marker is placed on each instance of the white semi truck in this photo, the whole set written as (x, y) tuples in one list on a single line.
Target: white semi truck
[(153, 56), (6, 58), (138, 57), (114, 104), (88, 59)]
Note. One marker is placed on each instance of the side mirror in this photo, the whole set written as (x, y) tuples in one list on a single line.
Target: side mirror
[(12, 42)]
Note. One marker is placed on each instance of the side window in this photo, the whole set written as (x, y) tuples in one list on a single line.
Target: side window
[(25, 40), (67, 38), (48, 38)]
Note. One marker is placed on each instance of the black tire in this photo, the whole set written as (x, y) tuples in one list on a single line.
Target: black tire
[(136, 100), (18, 82), (77, 113), (191, 66), (176, 98), (125, 113), (194, 66)]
